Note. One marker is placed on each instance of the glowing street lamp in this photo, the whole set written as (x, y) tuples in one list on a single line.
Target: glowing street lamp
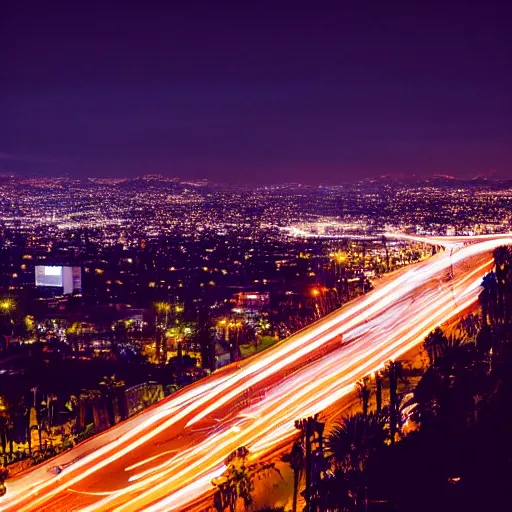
[(7, 305), (339, 257)]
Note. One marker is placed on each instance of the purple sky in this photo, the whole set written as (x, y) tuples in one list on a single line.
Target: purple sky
[(256, 91)]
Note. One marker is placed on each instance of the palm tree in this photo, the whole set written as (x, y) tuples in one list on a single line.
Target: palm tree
[(237, 482), (205, 338), (6, 425), (364, 393), (394, 370), (73, 404), (47, 406), (87, 402), (449, 352), (350, 442), (488, 298), (378, 392), (7, 319), (503, 262), (111, 387), (432, 344), (297, 463), (445, 389), (4, 473), (72, 333), (236, 338), (349, 446), (335, 493), (469, 327)]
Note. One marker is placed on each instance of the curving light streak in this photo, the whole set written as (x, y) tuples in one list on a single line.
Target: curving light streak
[(294, 379)]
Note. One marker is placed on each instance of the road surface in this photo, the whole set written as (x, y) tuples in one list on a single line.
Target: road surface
[(166, 457)]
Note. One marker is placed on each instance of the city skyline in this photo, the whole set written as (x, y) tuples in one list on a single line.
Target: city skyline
[(257, 94), (484, 177)]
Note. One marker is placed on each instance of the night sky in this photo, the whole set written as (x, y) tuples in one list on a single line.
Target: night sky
[(256, 91)]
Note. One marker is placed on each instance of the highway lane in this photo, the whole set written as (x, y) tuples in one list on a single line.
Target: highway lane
[(185, 438), (443, 241)]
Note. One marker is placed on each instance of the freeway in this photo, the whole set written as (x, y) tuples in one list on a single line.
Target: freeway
[(166, 457)]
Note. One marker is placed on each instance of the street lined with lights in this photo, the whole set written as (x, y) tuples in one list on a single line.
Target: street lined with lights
[(166, 457)]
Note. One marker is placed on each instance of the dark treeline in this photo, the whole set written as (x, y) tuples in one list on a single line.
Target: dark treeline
[(446, 445)]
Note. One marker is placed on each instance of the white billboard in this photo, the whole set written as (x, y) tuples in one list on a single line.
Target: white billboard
[(48, 275), (67, 278)]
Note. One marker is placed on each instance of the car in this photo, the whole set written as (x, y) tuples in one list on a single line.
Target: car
[(56, 469)]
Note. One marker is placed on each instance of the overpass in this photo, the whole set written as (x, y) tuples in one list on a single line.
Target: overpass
[(441, 241)]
